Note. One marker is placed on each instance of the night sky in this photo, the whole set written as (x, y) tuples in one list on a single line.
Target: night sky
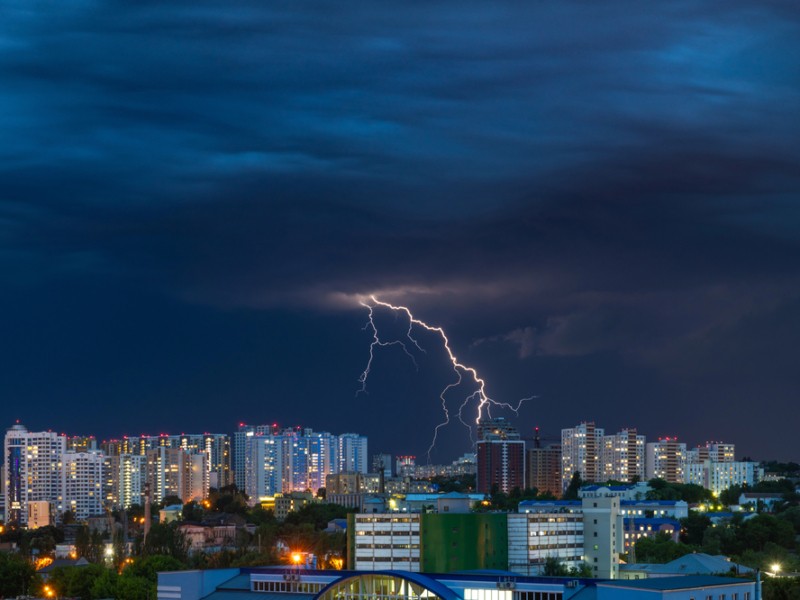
[(599, 201)]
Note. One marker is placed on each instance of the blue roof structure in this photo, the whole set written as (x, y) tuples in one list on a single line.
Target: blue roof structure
[(239, 583), (426, 581)]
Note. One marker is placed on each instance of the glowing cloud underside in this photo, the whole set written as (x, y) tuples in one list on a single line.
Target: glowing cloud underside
[(479, 397)]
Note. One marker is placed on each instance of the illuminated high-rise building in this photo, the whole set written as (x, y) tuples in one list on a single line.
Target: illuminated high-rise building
[(581, 448), (623, 456), (125, 476), (176, 472), (666, 459), (263, 466), (500, 457), (81, 443), (544, 469), (717, 452), (240, 437), (32, 470), (297, 460), (82, 483)]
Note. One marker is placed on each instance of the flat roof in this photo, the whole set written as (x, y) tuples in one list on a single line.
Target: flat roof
[(679, 582)]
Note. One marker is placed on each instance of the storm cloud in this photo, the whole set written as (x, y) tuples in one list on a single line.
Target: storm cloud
[(600, 200)]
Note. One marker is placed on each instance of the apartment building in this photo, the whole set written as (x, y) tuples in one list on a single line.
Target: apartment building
[(666, 459), (581, 452), (32, 471), (623, 456), (82, 484)]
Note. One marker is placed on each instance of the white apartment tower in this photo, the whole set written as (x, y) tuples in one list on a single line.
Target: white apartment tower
[(32, 470), (82, 482), (581, 448), (623, 457), (263, 466), (353, 456), (719, 476)]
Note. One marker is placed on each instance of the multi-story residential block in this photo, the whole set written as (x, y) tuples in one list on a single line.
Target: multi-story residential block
[(40, 514), (263, 466), (406, 466), (320, 450), (717, 452), (344, 483), (240, 437), (544, 469), (623, 456), (466, 464), (82, 483), (382, 462), (500, 457), (32, 470), (353, 455), (719, 476), (125, 476), (581, 448), (282, 461), (175, 472), (291, 502), (81, 443), (2, 492), (666, 459), (216, 447)]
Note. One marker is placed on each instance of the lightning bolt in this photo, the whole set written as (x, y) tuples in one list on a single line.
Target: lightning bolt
[(463, 372)]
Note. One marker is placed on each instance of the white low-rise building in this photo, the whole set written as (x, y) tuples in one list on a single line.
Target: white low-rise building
[(719, 476), (534, 537), (387, 541)]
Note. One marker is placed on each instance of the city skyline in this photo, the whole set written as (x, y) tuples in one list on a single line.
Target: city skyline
[(531, 437), (597, 202)]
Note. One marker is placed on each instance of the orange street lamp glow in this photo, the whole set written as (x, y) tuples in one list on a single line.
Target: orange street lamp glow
[(297, 558)]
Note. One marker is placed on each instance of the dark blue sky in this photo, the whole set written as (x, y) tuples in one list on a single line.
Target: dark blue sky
[(600, 202)]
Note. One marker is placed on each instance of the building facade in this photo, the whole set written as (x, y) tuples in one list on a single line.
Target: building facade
[(82, 484), (32, 471), (544, 469), (666, 459), (500, 457), (719, 476), (581, 449), (623, 456)]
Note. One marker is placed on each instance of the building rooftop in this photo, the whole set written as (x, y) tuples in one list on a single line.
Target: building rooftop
[(652, 502), (680, 582), (691, 564)]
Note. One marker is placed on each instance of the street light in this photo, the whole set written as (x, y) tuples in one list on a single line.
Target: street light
[(775, 568)]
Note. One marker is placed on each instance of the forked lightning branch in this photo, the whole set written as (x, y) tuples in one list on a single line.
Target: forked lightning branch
[(463, 373)]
